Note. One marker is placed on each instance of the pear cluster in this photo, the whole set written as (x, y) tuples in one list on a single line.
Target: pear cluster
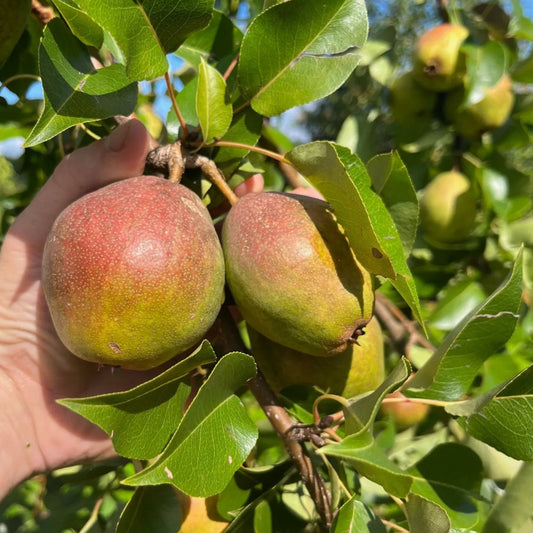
[(134, 274), (438, 77)]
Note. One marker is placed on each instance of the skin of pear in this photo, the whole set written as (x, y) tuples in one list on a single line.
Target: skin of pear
[(489, 113), (438, 64), (133, 273), (292, 273), (201, 515), (448, 207), (406, 413), (409, 101), (12, 22), (360, 368)]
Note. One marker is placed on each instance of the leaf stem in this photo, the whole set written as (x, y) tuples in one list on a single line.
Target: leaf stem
[(426, 401), (92, 519), (241, 107), (170, 90), (19, 77), (230, 68), (392, 525), (257, 149)]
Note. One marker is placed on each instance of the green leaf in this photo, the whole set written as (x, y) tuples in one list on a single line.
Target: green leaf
[(456, 302), (245, 128), (219, 39), (145, 31), (355, 516), (515, 506), (343, 180), (424, 515), (214, 437), (450, 477), (391, 180), (361, 412), (502, 417), (485, 66), (450, 371), (152, 509), (141, 420), (299, 51), (75, 91), (80, 24), (362, 452), (212, 105)]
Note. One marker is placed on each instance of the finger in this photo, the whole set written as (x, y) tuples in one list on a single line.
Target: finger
[(121, 155)]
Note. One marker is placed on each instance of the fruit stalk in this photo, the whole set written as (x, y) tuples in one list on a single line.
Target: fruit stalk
[(172, 159)]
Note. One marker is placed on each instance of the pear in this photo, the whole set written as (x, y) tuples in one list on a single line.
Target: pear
[(411, 103), (406, 413), (201, 515), (133, 273), (448, 208), (360, 368), (12, 22), (438, 63), (292, 273), (489, 113)]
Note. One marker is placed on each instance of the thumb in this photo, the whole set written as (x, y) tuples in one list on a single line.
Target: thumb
[(121, 155)]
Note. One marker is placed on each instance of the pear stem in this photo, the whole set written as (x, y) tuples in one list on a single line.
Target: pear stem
[(173, 159)]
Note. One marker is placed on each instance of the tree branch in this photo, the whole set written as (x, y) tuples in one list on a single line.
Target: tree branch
[(281, 421)]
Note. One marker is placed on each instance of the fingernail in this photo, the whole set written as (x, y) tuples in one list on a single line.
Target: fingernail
[(117, 140)]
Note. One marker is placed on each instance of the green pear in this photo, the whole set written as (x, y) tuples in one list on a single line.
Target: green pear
[(359, 368), (489, 113), (448, 208), (438, 63), (293, 274), (14, 14), (133, 273), (411, 103)]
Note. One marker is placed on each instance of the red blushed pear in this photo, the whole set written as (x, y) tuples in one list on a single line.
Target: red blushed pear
[(133, 273), (438, 63), (405, 413), (360, 368), (292, 273)]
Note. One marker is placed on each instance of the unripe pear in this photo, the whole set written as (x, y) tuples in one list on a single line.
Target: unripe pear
[(406, 413), (12, 22), (360, 368), (438, 63), (485, 115), (292, 273), (448, 208), (411, 103), (133, 273)]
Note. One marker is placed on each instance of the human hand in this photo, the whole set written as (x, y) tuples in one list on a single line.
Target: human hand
[(36, 369)]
